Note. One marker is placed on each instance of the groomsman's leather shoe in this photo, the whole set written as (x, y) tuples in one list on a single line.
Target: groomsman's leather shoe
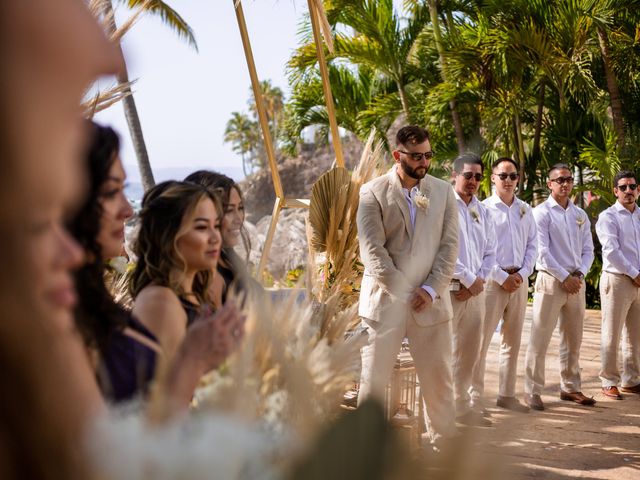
[(577, 397), (534, 401), (473, 419), (611, 392), (634, 389), (511, 403)]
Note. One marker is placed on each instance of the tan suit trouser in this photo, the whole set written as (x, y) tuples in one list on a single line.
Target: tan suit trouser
[(551, 306), (511, 308), (431, 352), (620, 308), (468, 317)]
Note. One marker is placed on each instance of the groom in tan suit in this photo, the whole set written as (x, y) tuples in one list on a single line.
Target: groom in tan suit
[(408, 232)]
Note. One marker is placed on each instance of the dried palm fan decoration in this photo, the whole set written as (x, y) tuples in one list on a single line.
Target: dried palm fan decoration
[(333, 186), (332, 223)]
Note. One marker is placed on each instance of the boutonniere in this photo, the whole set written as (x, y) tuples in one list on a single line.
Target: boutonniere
[(523, 211), (421, 201), (475, 214), (581, 221)]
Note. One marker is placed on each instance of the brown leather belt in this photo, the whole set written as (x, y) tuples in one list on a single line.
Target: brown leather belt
[(512, 270)]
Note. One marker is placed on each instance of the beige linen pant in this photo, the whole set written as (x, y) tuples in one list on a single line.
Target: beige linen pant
[(431, 352), (551, 306), (620, 308), (511, 307), (468, 317)]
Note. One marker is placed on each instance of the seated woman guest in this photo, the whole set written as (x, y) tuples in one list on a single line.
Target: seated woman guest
[(231, 269), (177, 248), (124, 351)]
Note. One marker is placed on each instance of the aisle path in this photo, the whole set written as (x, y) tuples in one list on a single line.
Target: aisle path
[(566, 440)]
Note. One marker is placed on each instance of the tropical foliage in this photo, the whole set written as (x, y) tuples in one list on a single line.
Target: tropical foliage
[(243, 129), (542, 82)]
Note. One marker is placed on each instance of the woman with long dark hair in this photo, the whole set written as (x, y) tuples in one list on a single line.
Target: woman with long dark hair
[(178, 247), (231, 268), (124, 351)]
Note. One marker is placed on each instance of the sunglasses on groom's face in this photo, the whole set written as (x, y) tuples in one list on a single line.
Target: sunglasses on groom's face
[(623, 188)]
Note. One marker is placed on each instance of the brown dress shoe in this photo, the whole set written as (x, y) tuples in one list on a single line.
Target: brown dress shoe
[(611, 392), (511, 403), (577, 397), (634, 389), (534, 401)]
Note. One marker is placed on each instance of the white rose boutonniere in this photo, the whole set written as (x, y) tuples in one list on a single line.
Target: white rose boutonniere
[(523, 211), (581, 220), (475, 214), (421, 201)]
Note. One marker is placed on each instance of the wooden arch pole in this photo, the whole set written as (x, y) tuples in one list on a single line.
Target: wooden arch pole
[(314, 14), (266, 135)]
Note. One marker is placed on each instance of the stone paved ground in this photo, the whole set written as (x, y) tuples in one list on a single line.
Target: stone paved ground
[(566, 440)]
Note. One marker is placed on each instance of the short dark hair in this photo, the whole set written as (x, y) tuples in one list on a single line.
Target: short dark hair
[(467, 159), (623, 174), (558, 166), (505, 159), (411, 135)]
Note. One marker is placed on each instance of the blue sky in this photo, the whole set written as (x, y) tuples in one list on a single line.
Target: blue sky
[(185, 97)]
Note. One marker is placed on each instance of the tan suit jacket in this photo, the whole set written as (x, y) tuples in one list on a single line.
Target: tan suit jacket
[(397, 257)]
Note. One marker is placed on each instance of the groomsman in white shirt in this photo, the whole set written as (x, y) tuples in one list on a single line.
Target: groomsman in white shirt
[(618, 229), (565, 255), (476, 258), (507, 289)]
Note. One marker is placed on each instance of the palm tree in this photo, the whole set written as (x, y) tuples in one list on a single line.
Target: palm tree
[(244, 136), (177, 23)]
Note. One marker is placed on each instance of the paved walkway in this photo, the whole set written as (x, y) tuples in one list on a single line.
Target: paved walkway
[(564, 441)]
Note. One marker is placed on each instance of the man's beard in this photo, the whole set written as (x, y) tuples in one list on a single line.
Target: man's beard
[(417, 173)]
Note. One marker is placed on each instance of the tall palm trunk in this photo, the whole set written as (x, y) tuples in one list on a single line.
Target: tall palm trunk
[(130, 110), (519, 148), (455, 116), (403, 100), (612, 86)]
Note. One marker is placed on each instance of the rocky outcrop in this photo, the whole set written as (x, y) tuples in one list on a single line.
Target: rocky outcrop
[(297, 176)]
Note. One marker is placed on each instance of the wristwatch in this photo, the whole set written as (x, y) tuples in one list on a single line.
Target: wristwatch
[(578, 274)]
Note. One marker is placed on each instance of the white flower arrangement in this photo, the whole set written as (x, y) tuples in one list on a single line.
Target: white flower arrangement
[(523, 211), (475, 214), (581, 221), (421, 201)]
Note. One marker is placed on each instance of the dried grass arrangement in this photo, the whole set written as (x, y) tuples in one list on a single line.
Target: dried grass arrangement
[(332, 221)]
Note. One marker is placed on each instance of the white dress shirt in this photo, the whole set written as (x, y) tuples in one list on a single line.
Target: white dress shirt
[(410, 197), (477, 242), (515, 227), (564, 239), (619, 232)]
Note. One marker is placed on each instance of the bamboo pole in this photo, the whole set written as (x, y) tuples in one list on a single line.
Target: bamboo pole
[(262, 115), (326, 86), (277, 206)]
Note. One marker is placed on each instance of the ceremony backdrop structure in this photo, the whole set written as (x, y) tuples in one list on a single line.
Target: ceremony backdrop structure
[(319, 22)]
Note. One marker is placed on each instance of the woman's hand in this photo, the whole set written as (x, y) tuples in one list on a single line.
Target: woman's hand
[(208, 343)]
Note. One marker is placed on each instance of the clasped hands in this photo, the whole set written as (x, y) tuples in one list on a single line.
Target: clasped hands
[(474, 289), (572, 284), (512, 283)]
